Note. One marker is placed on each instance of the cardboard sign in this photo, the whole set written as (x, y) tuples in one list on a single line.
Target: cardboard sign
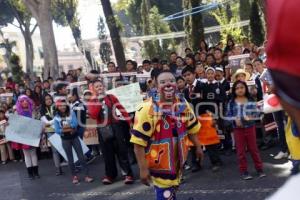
[(56, 141), (24, 130), (90, 136), (236, 62)]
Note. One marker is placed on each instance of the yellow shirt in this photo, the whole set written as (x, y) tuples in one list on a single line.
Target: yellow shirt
[(146, 124)]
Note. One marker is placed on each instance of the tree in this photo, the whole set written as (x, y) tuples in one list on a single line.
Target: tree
[(41, 11), (65, 14), (244, 12), (225, 21), (257, 31), (114, 34), (193, 24), (15, 9), (17, 72), (7, 46), (105, 48)]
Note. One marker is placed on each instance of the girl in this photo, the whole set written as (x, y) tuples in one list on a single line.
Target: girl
[(24, 107), (242, 112), (5, 147), (65, 123), (112, 136), (47, 113)]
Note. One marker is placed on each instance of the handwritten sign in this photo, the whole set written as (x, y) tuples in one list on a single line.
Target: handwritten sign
[(24, 130), (129, 96), (56, 141), (90, 136)]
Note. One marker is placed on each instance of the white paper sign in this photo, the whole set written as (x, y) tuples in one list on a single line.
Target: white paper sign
[(56, 141), (129, 96), (24, 130)]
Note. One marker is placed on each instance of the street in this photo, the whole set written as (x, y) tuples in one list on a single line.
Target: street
[(225, 184)]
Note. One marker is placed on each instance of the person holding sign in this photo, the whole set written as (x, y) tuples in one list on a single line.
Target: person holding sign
[(24, 107), (111, 136), (47, 113), (66, 125), (160, 135), (5, 148)]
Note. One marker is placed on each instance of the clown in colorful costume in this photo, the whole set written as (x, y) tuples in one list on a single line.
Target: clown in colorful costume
[(160, 133)]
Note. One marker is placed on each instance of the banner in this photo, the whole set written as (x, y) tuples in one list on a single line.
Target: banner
[(90, 136), (24, 130), (129, 96), (56, 141)]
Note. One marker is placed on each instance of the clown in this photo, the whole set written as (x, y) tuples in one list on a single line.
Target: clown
[(160, 136)]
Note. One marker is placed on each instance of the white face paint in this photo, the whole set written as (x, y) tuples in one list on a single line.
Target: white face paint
[(167, 86)]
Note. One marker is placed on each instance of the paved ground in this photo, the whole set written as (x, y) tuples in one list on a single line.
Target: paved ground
[(202, 185)]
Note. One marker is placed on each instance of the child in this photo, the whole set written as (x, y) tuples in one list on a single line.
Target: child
[(47, 113), (208, 136), (242, 112), (66, 125), (24, 107), (5, 147)]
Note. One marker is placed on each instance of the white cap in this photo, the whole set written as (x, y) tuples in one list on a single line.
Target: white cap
[(210, 68), (219, 69)]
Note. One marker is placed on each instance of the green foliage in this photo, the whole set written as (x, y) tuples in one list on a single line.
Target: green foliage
[(16, 69), (227, 29), (257, 31), (152, 25)]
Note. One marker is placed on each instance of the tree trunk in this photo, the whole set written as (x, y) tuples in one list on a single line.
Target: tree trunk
[(29, 49), (197, 33), (114, 34), (41, 11), (186, 4)]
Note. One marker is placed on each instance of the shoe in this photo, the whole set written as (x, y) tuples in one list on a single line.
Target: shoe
[(187, 167), (261, 174), (75, 180), (59, 172), (281, 155), (128, 180), (35, 170), (246, 176), (107, 180), (15, 161), (30, 173), (90, 160), (63, 164), (215, 168), (88, 179), (4, 162)]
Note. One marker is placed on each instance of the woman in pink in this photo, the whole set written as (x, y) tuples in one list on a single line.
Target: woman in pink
[(24, 107)]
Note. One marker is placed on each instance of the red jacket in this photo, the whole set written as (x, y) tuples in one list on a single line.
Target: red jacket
[(95, 107), (283, 47)]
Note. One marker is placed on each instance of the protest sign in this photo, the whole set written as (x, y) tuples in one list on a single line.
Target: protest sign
[(90, 136), (237, 62), (129, 96), (24, 130), (56, 141)]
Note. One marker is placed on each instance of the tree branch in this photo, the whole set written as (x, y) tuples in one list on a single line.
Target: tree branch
[(32, 31)]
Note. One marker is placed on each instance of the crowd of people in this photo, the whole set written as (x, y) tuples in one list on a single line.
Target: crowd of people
[(197, 98)]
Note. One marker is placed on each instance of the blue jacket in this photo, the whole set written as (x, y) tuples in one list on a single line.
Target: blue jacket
[(249, 109), (71, 121)]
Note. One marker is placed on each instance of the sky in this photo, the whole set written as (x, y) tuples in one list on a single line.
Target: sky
[(89, 12)]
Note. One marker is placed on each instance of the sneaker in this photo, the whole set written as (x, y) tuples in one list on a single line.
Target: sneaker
[(246, 176), (261, 174), (107, 180), (187, 167), (4, 162), (281, 155), (88, 179), (128, 180), (75, 180)]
